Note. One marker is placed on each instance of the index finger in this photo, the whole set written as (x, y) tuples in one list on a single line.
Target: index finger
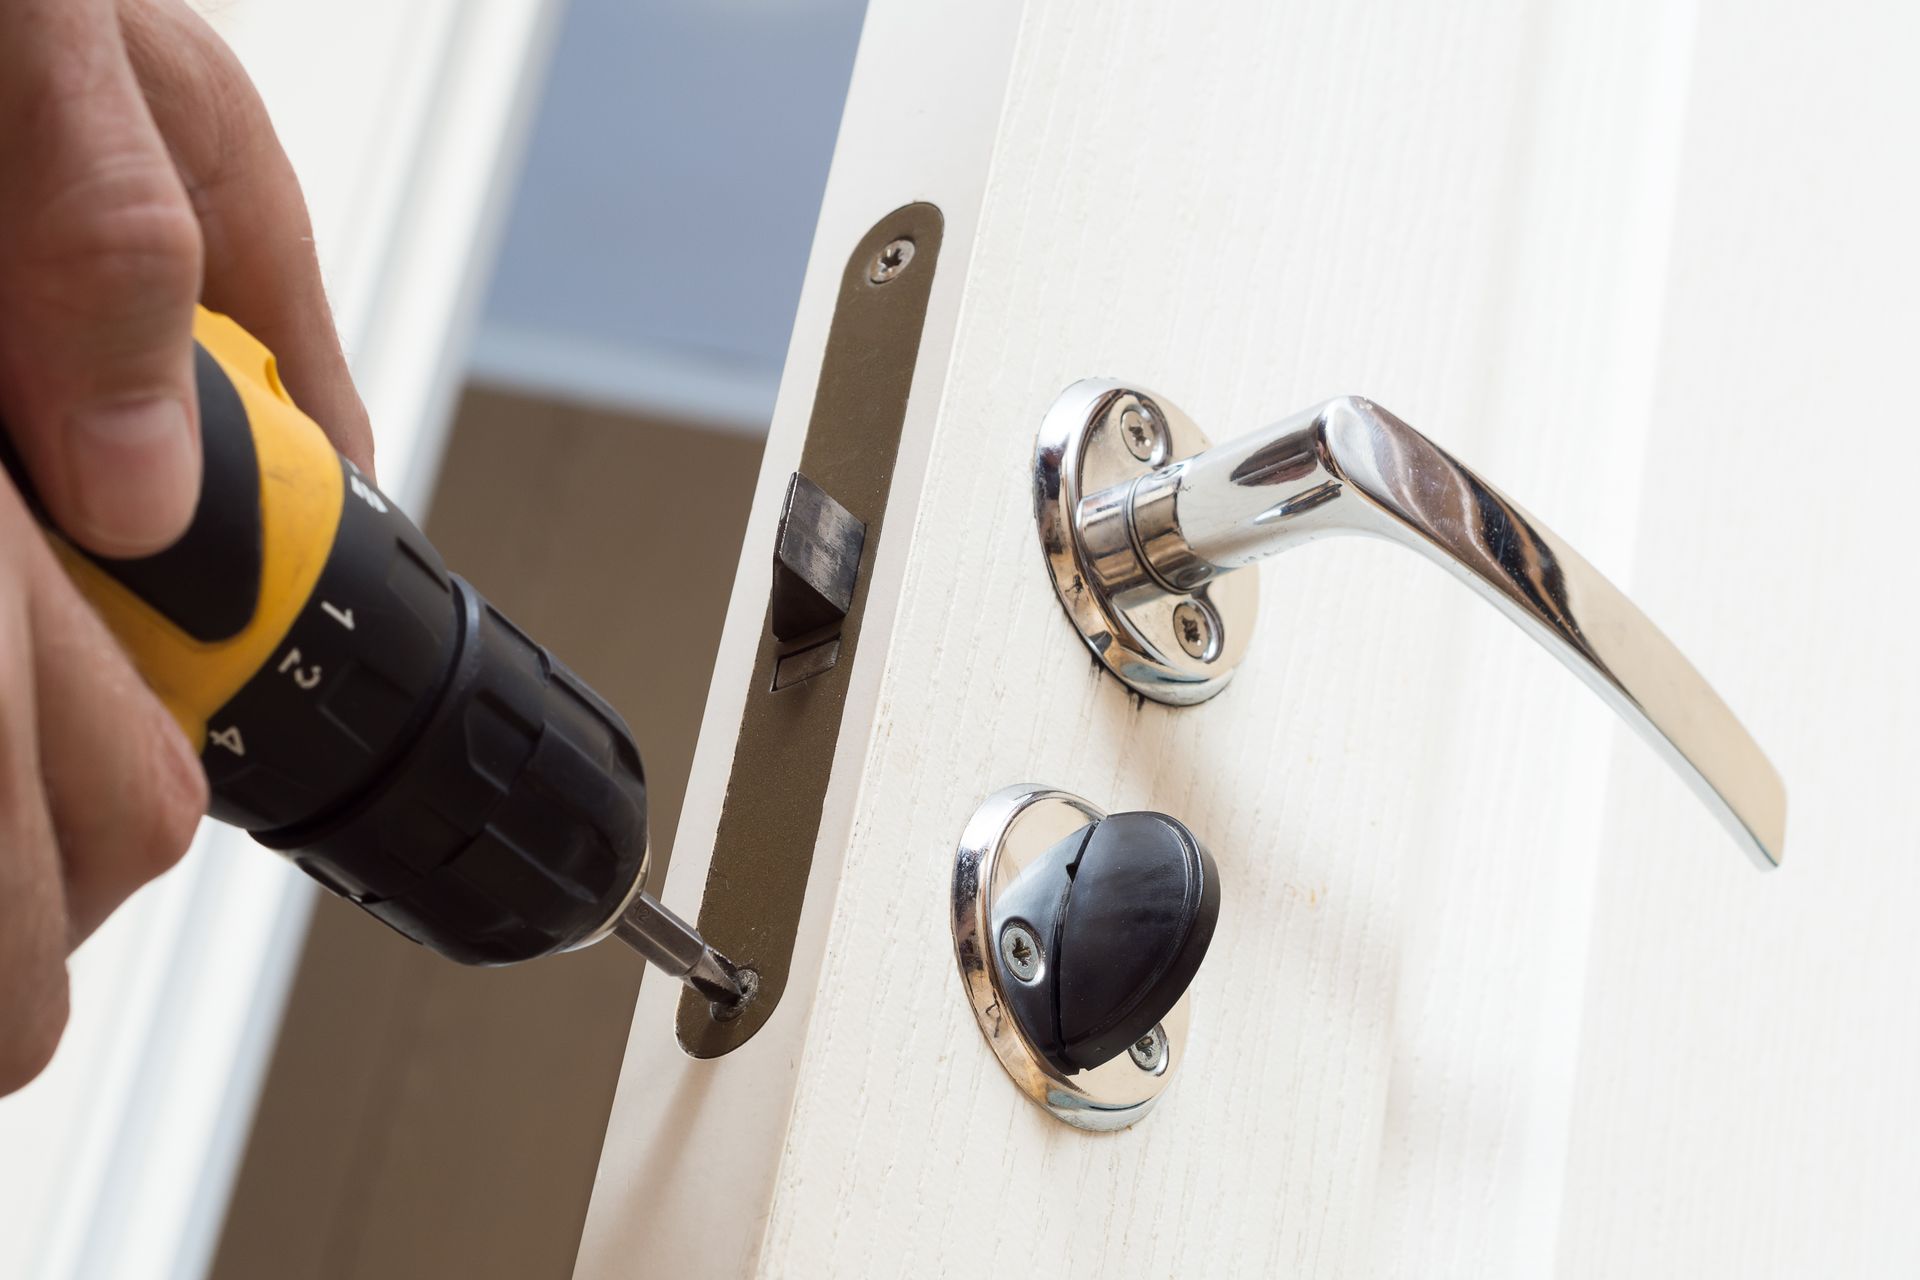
[(261, 268)]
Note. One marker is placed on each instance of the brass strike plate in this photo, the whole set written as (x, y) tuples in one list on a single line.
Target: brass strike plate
[(770, 819)]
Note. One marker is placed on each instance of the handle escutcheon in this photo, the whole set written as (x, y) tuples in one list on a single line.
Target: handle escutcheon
[(1143, 551)]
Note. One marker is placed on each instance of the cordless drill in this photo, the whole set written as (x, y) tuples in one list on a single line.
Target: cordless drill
[(369, 714)]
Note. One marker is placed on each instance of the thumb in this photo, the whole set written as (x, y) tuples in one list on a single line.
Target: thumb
[(100, 261)]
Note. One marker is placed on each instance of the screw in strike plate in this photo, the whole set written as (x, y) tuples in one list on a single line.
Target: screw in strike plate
[(1021, 952), (890, 261), (1149, 1052), (727, 1011), (1193, 627)]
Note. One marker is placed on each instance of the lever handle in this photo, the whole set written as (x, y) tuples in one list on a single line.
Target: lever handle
[(1177, 531)]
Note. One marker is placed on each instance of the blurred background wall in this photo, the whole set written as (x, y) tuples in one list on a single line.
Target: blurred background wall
[(653, 254)]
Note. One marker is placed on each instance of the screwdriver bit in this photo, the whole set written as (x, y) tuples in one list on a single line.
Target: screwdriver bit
[(671, 944)]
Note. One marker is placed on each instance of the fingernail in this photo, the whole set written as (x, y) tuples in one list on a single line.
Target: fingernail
[(135, 475)]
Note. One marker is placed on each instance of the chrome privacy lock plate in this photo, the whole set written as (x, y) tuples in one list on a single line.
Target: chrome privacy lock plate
[(1077, 934)]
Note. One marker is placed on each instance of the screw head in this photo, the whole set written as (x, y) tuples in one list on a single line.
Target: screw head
[(1149, 1052), (1141, 431), (1021, 950), (1193, 626), (890, 261), (749, 988)]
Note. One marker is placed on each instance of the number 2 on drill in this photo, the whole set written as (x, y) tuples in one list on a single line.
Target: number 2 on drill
[(305, 677)]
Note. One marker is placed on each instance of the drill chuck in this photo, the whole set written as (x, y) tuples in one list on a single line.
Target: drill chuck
[(512, 823)]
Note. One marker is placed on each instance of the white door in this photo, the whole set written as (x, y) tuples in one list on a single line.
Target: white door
[(1492, 993)]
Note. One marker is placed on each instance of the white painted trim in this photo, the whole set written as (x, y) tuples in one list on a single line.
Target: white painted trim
[(129, 1143), (726, 394)]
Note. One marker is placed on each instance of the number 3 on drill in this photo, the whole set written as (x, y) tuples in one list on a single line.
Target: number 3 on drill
[(305, 677)]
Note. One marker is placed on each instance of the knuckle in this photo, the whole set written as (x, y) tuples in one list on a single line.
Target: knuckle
[(123, 231), (34, 1031), (216, 124), (170, 817)]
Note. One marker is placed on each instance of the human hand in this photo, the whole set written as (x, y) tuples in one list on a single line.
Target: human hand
[(139, 174)]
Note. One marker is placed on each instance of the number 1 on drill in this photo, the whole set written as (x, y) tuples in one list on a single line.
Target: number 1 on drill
[(342, 616)]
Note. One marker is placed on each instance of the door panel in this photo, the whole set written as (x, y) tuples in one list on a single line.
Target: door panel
[(1746, 1090), (1461, 211), (1392, 785)]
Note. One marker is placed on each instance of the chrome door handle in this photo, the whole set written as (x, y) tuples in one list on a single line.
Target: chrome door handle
[(1143, 528)]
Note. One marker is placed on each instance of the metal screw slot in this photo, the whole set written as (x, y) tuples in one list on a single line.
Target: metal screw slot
[(1193, 626), (1021, 952), (1140, 431), (890, 261), (749, 988), (1149, 1052)]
